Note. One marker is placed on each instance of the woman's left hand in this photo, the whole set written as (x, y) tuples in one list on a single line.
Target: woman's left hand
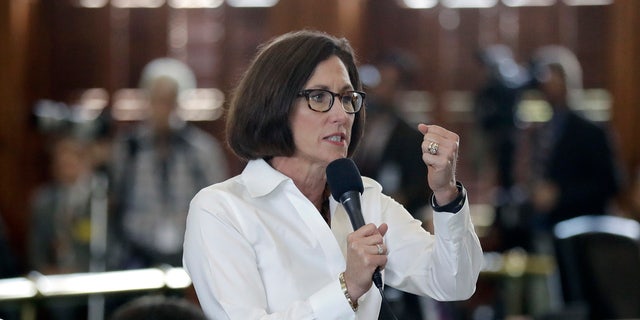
[(440, 154), (366, 251)]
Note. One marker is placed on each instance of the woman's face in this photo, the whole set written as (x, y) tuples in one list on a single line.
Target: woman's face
[(321, 137)]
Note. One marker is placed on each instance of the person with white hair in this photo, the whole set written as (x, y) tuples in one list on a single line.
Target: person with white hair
[(157, 168)]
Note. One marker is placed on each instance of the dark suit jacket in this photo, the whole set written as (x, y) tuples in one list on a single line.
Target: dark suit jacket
[(581, 163)]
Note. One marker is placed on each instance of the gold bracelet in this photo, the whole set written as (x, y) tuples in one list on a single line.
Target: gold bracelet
[(343, 285)]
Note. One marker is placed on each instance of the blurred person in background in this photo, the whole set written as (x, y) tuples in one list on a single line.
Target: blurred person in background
[(495, 107), (67, 233), (61, 231), (157, 168), (61, 218), (62, 209), (389, 153), (495, 104), (574, 167)]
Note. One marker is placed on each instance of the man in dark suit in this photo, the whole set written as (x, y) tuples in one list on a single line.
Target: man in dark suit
[(573, 159), (574, 168)]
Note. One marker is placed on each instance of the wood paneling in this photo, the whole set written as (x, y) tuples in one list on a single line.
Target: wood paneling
[(624, 82), (16, 148)]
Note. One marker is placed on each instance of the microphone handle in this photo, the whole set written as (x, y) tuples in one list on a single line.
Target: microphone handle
[(377, 278), (351, 202)]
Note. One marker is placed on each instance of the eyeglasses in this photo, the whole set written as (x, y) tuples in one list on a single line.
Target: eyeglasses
[(321, 100)]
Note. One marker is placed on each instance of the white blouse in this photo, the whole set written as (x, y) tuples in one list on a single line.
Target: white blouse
[(257, 248)]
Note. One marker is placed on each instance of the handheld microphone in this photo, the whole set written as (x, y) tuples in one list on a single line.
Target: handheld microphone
[(346, 186), (345, 183)]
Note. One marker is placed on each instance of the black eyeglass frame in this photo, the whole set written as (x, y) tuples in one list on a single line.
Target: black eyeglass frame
[(305, 93)]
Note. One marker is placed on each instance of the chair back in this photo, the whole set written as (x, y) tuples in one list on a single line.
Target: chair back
[(599, 263)]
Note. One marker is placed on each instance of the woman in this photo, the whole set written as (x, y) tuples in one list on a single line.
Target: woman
[(271, 243)]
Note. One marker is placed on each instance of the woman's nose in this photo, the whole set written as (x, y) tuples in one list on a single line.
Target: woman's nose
[(339, 111)]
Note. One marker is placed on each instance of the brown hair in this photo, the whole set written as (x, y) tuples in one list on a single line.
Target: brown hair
[(259, 113)]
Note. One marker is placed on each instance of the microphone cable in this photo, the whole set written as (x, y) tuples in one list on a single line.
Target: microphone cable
[(385, 302), (377, 280)]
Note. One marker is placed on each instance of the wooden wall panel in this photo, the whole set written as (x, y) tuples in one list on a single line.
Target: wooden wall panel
[(16, 148), (148, 39), (79, 50), (592, 44), (624, 83), (340, 18)]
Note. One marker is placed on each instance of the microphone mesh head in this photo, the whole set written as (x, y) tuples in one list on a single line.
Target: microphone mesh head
[(343, 176)]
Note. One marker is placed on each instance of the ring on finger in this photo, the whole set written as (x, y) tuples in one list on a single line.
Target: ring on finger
[(380, 248), (433, 148)]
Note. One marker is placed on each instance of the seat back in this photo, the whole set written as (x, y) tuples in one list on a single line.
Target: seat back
[(599, 263)]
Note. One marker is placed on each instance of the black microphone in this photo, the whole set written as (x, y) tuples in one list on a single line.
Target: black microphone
[(345, 183), (346, 186)]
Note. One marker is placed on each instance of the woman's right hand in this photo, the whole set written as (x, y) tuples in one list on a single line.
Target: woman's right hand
[(363, 257)]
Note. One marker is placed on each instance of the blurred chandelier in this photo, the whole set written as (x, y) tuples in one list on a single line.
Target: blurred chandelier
[(178, 4), (426, 4), (413, 4)]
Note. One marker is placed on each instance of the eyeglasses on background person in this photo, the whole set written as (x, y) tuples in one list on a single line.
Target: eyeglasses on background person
[(321, 100)]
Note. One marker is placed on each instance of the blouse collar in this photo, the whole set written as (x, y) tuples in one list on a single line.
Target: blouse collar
[(261, 179)]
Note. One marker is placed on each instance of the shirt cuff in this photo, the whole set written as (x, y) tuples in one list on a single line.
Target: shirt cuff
[(453, 206)]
